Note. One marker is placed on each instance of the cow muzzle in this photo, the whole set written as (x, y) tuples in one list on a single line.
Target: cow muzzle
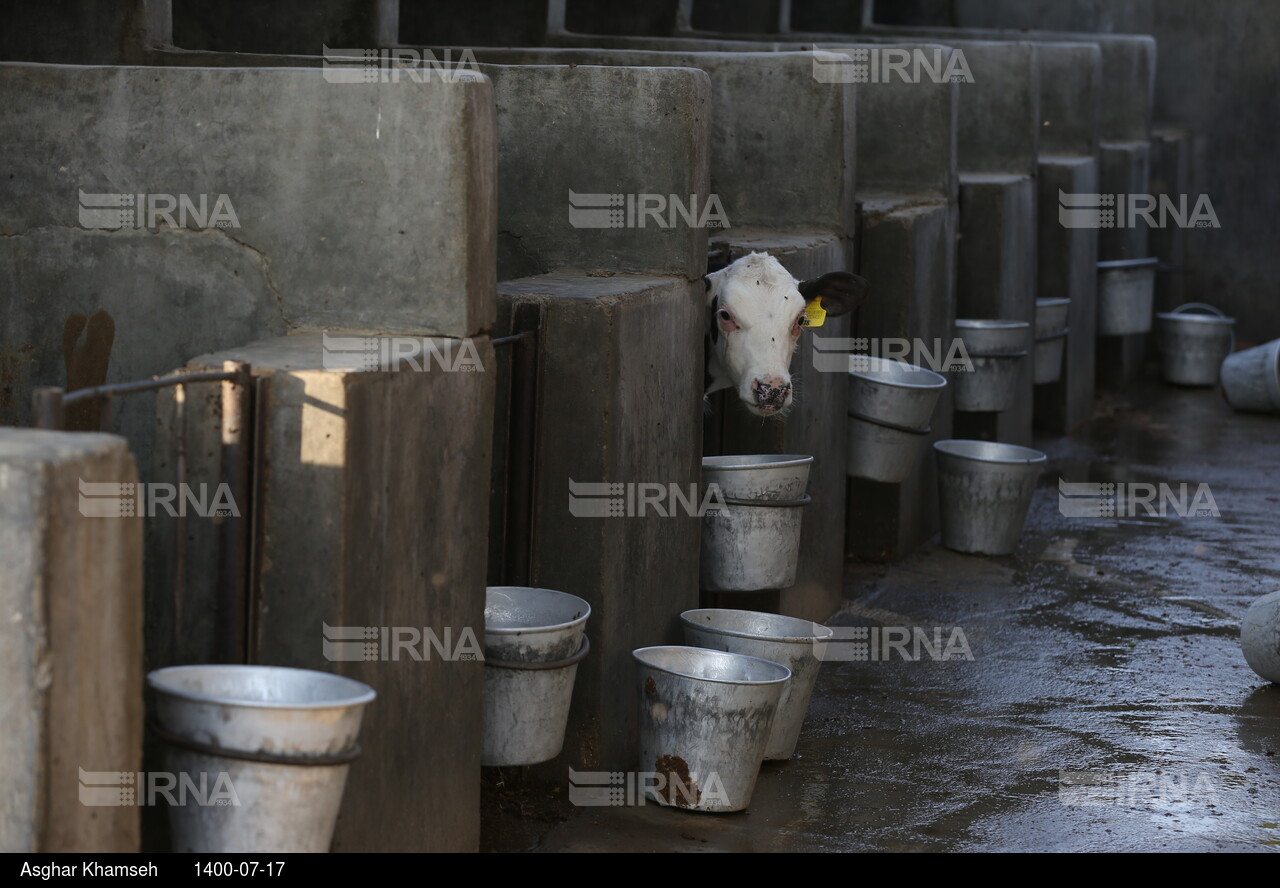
[(771, 395)]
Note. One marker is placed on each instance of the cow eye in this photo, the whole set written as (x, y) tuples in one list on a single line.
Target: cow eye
[(724, 316)]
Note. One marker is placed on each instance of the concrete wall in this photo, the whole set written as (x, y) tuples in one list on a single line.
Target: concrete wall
[(70, 646), (545, 118), (810, 137), (371, 511), (620, 359), (338, 224), (1218, 83), (805, 217)]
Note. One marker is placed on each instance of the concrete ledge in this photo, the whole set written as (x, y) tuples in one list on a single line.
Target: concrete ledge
[(620, 401), (909, 252), (372, 511), (996, 278), (1171, 175), (1067, 269), (70, 645), (1070, 87)]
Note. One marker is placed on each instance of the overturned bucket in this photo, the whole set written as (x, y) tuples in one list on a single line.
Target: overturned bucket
[(890, 406), (705, 720), (996, 349), (1251, 379), (797, 644), (984, 492), (264, 749), (1051, 339), (533, 642), (1193, 346), (1126, 296), (753, 543)]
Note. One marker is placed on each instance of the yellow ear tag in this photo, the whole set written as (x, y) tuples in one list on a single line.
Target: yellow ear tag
[(814, 314)]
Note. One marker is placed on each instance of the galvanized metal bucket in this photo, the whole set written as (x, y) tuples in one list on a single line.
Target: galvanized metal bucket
[(890, 405), (997, 350), (534, 640), (893, 392), (765, 476), (705, 722), (1251, 379), (1260, 637), (751, 546), (1126, 296), (259, 754), (754, 542), (1051, 339), (1193, 346), (880, 452), (984, 491), (797, 644)]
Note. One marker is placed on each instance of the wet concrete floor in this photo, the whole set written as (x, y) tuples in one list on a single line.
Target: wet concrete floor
[(1106, 707)]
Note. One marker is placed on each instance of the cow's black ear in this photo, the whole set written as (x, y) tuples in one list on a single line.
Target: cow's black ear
[(839, 291)]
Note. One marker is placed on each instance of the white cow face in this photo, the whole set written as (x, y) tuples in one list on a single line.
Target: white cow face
[(756, 312)]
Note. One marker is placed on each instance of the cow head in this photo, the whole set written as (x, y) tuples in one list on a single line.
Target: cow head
[(756, 313)]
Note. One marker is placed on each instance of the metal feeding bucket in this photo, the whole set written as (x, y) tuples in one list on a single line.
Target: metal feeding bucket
[(1251, 379), (260, 754), (533, 642), (1051, 339), (1126, 296), (997, 349), (797, 644), (985, 490), (1260, 637), (754, 542), (890, 405), (1193, 346), (705, 720), (764, 476)]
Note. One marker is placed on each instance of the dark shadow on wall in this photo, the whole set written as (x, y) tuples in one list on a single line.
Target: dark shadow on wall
[(930, 13), (476, 23)]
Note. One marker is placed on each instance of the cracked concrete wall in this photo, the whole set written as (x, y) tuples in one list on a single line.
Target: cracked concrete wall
[(360, 206)]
